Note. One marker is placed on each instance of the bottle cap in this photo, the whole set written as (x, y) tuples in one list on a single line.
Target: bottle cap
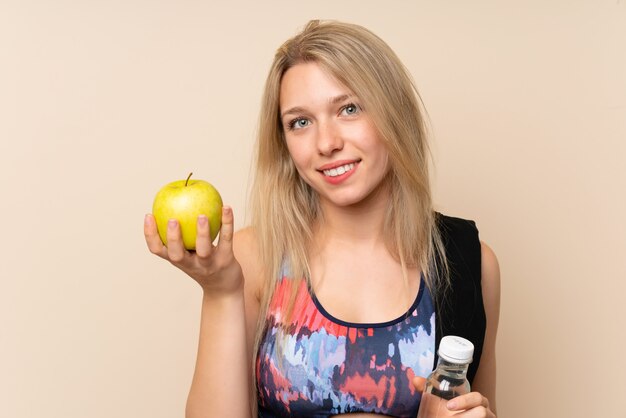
[(456, 349)]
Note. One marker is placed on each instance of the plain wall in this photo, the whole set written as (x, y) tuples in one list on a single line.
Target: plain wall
[(103, 102)]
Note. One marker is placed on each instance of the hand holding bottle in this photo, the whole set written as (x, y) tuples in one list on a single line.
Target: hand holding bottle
[(446, 392), (472, 404)]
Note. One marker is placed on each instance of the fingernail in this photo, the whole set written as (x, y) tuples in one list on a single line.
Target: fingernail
[(451, 405), (146, 219), (202, 220), (171, 223), (227, 210)]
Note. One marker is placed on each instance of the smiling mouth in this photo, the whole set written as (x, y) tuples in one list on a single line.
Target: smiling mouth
[(337, 171)]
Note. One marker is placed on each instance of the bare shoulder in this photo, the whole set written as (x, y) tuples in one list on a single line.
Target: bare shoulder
[(490, 281), (246, 250), (490, 267), (485, 380), (245, 242)]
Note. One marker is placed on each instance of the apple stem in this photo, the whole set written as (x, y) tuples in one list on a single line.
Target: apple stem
[(187, 181)]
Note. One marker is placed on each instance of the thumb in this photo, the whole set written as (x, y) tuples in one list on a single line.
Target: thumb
[(419, 383)]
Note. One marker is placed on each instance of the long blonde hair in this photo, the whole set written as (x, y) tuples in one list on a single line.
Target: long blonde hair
[(284, 207)]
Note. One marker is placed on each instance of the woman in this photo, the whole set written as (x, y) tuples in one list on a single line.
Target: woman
[(335, 300)]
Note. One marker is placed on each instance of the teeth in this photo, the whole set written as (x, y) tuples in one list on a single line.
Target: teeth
[(333, 172)]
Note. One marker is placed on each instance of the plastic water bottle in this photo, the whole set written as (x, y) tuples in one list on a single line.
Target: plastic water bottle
[(449, 379)]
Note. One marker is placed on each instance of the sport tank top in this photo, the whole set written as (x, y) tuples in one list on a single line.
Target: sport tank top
[(326, 366)]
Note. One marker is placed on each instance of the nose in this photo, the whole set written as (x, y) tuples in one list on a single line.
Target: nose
[(329, 139)]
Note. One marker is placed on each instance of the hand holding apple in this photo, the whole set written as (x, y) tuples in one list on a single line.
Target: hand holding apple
[(185, 200)]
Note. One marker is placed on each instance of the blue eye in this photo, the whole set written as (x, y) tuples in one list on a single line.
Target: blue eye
[(350, 109), (298, 123)]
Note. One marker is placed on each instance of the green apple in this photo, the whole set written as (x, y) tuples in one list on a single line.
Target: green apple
[(185, 200)]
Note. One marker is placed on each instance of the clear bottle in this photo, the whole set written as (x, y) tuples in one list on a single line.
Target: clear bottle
[(449, 379)]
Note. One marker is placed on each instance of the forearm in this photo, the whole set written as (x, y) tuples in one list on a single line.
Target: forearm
[(220, 386)]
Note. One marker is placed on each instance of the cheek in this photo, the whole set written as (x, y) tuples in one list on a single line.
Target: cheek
[(381, 155), (298, 159), (384, 166), (298, 154), (386, 163)]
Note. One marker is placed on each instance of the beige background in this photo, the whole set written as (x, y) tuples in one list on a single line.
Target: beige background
[(103, 102)]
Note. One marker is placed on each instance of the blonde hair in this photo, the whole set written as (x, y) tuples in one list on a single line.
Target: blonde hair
[(284, 207)]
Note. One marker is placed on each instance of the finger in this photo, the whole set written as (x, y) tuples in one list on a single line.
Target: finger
[(419, 383), (468, 401), (153, 240), (477, 412), (175, 248), (225, 243), (203, 237)]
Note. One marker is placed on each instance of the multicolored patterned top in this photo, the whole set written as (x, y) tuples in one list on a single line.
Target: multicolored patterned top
[(327, 366)]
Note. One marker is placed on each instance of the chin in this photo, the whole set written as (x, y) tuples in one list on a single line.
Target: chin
[(346, 200)]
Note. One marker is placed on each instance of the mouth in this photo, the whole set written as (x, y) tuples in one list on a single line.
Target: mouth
[(338, 168), (334, 172), (339, 171)]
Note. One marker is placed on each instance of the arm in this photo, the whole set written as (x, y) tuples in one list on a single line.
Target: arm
[(221, 381), (483, 397), (485, 380), (481, 403)]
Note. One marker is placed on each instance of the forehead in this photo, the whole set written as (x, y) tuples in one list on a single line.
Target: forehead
[(309, 84)]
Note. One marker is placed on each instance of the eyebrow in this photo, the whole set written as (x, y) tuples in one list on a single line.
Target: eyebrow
[(333, 100)]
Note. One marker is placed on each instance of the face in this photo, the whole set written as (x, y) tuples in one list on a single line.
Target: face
[(331, 138)]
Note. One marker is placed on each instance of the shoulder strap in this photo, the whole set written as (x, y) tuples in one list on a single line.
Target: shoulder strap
[(460, 309)]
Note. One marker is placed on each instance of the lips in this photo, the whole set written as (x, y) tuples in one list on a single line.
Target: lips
[(334, 172), (338, 171), (338, 163)]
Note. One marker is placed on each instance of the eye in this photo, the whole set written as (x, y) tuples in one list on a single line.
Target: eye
[(350, 109), (298, 123)]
